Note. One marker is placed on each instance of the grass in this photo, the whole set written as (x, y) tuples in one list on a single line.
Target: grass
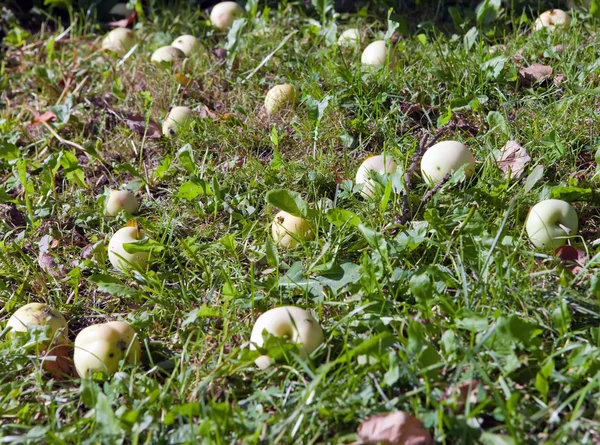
[(409, 311)]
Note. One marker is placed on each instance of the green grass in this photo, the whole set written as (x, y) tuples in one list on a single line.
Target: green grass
[(455, 294)]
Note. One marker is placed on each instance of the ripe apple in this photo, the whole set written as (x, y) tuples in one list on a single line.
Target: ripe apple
[(287, 230), (117, 255), (187, 44), (350, 37), (446, 157), (549, 222), (167, 55), (375, 55), (224, 14), (119, 200), (279, 96), (100, 348), (381, 164), (41, 315), (294, 324), (555, 18), (119, 40), (176, 116)]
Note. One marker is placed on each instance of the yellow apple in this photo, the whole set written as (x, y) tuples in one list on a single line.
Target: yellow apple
[(279, 96), (176, 116), (288, 229), (119, 200), (446, 157), (119, 258), (294, 324), (187, 44), (119, 40), (550, 222), (167, 55), (376, 55), (41, 315), (100, 348), (381, 164), (553, 19), (224, 14), (350, 37)]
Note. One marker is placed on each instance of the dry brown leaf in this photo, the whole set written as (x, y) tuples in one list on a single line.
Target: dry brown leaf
[(465, 392), (572, 258), (513, 159), (398, 428), (207, 112), (124, 23), (57, 361), (535, 73), (48, 264), (47, 116), (137, 123)]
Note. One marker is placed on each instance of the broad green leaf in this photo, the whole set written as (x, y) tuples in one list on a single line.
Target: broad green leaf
[(111, 285), (340, 217), (288, 201), (193, 188)]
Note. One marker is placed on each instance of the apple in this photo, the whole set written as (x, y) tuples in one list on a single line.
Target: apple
[(294, 324), (121, 9), (549, 223), (287, 230), (350, 37), (376, 54), (119, 200), (119, 258), (187, 44), (381, 164), (119, 40), (279, 96), (100, 348), (167, 55), (176, 116), (41, 315), (224, 14), (446, 157), (553, 19)]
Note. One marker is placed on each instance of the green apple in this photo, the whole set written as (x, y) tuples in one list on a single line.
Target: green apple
[(287, 230), (549, 223), (100, 348), (446, 157), (278, 97), (350, 37), (187, 44), (381, 164), (119, 40), (119, 200), (41, 315), (294, 324), (119, 258), (553, 19), (224, 14), (176, 116), (376, 55), (167, 55)]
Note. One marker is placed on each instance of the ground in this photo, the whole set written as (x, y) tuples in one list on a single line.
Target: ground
[(420, 295)]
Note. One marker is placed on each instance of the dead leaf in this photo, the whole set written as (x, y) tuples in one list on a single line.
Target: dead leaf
[(207, 112), (572, 258), (57, 361), (183, 80), (48, 264), (559, 79), (463, 393), (124, 23), (47, 116), (137, 123), (398, 428), (513, 159), (534, 74), (559, 49)]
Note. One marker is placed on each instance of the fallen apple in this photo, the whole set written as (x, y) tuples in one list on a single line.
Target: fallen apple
[(41, 315), (119, 40), (294, 324), (167, 55), (287, 230), (119, 258), (176, 116), (553, 19), (445, 158), (224, 14), (100, 348), (119, 200), (350, 37), (376, 55), (278, 97), (550, 222), (187, 44), (381, 164)]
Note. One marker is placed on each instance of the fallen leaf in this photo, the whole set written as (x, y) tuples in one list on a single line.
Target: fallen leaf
[(207, 112), (535, 73), (463, 393), (124, 23), (559, 49), (137, 123), (398, 428), (513, 159), (57, 361), (183, 80), (47, 116), (48, 264), (559, 79), (572, 258)]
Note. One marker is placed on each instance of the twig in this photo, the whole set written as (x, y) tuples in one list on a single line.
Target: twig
[(434, 190)]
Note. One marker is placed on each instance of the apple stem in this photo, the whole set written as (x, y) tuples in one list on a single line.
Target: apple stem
[(565, 228)]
